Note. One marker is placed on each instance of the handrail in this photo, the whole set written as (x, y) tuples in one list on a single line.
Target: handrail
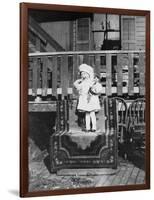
[(37, 54), (38, 34)]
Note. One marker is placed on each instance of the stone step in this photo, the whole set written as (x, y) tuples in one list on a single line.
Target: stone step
[(86, 172)]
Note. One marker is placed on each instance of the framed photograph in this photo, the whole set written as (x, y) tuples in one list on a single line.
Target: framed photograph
[(84, 99)]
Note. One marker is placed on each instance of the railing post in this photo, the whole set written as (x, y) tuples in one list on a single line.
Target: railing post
[(130, 74), (108, 75)]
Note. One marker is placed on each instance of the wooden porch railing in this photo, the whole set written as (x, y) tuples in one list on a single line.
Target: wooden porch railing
[(53, 73)]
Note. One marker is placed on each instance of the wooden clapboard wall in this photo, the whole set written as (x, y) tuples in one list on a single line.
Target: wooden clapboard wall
[(140, 33), (133, 32)]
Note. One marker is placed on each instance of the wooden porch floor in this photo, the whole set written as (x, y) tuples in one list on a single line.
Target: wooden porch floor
[(41, 179)]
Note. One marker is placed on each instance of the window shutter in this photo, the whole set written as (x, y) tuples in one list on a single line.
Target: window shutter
[(83, 34)]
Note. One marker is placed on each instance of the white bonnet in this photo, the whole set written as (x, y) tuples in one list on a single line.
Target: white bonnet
[(88, 69)]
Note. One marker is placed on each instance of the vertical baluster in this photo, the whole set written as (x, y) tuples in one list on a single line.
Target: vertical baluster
[(34, 76), (75, 71), (108, 75), (39, 76), (97, 64), (67, 117), (59, 91), (119, 74), (86, 59), (30, 74), (142, 73), (54, 76), (58, 116), (70, 74), (64, 75), (106, 112), (63, 115), (130, 75), (81, 60), (44, 76), (92, 61)]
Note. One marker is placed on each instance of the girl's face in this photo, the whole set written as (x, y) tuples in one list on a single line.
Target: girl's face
[(84, 75)]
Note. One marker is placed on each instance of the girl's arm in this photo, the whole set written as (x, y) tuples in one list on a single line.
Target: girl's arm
[(77, 84), (97, 88)]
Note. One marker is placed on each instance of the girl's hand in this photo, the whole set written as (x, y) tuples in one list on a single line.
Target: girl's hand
[(80, 80)]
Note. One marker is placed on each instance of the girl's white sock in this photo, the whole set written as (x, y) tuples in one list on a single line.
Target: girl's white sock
[(93, 120), (87, 121)]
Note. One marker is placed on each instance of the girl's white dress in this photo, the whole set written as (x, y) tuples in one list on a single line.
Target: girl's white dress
[(88, 102)]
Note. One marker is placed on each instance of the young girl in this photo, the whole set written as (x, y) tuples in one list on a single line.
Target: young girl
[(89, 89)]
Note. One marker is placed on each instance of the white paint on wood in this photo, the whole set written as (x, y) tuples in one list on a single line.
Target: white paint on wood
[(70, 90)]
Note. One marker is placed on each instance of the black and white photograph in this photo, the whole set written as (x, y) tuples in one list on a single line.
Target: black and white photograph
[(86, 99)]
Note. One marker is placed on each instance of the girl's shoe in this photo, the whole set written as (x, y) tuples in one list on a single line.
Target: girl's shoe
[(93, 130)]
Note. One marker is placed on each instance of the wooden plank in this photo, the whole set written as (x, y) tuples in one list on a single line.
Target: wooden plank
[(142, 73), (108, 75), (86, 59), (97, 64), (81, 60), (64, 75), (42, 107), (44, 76), (109, 180), (119, 176), (54, 76), (126, 176), (58, 116), (87, 171), (119, 74), (70, 91), (39, 54), (39, 79), (133, 176), (141, 177), (100, 180), (92, 60), (75, 72), (34, 76), (70, 71), (130, 75)]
